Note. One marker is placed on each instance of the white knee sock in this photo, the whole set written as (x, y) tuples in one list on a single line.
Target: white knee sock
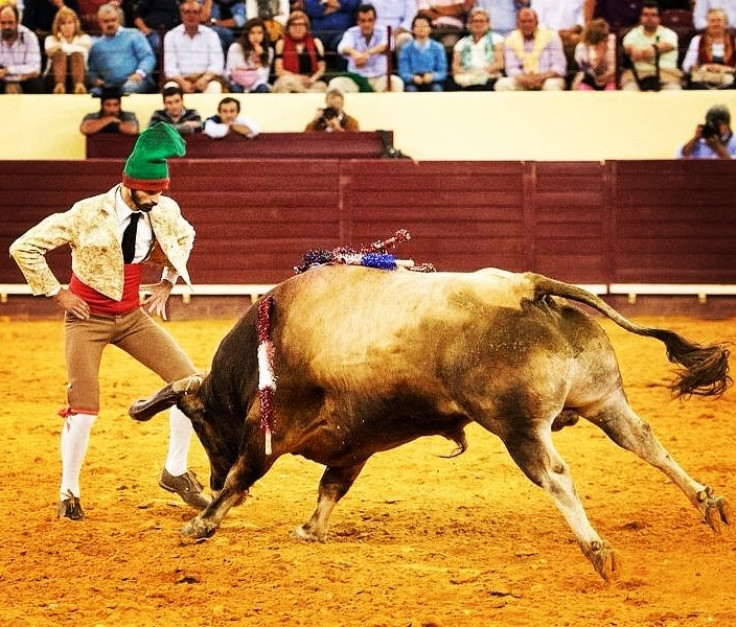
[(180, 434), (74, 441)]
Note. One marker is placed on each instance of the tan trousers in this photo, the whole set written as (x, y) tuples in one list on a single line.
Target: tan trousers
[(135, 333)]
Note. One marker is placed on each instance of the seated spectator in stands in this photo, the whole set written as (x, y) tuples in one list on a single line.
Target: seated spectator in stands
[(193, 56), (226, 19), (67, 50), (38, 15), (332, 118), (448, 19), (533, 57), (652, 49), (397, 14), (712, 140), (299, 58), (249, 59), (184, 120), (364, 46), (422, 62), (330, 20), (121, 57), (711, 59), (567, 18), (228, 121), (274, 14), (619, 14), (477, 60), (110, 118), (153, 16), (20, 55), (702, 7), (502, 13), (595, 57)]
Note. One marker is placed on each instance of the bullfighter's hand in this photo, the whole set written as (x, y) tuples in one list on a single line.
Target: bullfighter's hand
[(155, 304), (71, 303)]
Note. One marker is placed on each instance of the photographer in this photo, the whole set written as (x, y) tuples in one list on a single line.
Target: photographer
[(332, 118), (712, 140)]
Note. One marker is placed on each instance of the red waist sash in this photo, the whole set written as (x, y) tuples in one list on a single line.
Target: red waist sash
[(101, 304)]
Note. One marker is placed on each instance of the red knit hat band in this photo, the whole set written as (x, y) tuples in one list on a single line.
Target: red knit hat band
[(145, 185)]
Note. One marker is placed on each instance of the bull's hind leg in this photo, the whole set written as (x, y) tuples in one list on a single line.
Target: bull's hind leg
[(628, 430), (335, 483), (535, 453)]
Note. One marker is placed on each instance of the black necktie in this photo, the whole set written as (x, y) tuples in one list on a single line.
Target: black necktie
[(129, 238)]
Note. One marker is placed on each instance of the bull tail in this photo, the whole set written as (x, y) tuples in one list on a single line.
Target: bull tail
[(704, 369)]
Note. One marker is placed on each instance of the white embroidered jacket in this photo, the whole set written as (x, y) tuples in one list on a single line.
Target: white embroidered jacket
[(90, 228)]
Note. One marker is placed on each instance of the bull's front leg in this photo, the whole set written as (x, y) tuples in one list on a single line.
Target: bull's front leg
[(251, 465), (335, 483)]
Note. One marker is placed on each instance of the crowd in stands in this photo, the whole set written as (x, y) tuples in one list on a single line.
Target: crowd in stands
[(259, 46)]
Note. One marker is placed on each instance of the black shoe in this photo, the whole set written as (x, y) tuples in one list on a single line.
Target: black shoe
[(186, 486), (70, 508)]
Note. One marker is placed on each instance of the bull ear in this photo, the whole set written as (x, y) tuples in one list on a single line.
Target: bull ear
[(146, 408)]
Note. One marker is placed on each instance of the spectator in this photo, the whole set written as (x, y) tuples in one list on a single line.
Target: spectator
[(38, 15), (712, 140), (595, 56), (248, 66), (502, 13), (422, 62), (448, 19), (299, 59), (365, 47), (193, 56), (228, 120), (567, 18), (702, 7), (226, 18), (710, 59), (67, 51), (110, 118), (20, 55), (121, 57), (620, 14), (332, 118), (477, 60), (533, 57), (274, 14), (652, 49), (330, 20), (397, 14), (184, 120), (153, 16)]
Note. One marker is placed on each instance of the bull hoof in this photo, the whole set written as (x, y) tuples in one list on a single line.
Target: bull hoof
[(717, 512), (196, 529), (604, 560), (306, 533)]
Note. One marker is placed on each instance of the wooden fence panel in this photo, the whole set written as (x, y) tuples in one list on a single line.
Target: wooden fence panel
[(587, 222)]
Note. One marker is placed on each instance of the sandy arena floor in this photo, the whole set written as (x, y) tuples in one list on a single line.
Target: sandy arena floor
[(419, 540)]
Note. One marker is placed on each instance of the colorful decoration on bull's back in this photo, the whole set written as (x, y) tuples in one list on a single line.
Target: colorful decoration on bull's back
[(374, 256), (266, 376)]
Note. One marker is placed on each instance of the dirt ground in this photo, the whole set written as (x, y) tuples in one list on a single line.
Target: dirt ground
[(419, 540)]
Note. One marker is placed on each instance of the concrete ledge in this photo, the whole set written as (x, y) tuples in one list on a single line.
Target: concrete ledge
[(702, 291)]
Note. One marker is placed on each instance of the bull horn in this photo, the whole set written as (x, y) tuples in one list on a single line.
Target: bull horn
[(144, 409)]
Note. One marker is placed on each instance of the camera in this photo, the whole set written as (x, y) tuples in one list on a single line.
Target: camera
[(710, 129), (328, 113)]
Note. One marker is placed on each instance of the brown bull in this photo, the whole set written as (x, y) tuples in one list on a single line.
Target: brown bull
[(367, 360)]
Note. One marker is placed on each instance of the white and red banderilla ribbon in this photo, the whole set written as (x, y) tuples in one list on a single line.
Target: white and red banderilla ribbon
[(266, 377)]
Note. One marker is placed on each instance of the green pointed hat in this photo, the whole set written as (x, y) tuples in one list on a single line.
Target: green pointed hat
[(146, 168)]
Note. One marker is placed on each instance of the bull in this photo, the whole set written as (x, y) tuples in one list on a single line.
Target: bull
[(366, 360)]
